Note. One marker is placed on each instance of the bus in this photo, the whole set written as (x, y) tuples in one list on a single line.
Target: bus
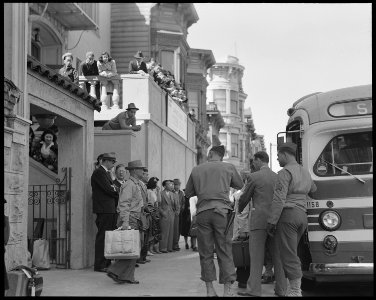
[(333, 132)]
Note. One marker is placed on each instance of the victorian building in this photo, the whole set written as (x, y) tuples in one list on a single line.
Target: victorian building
[(226, 91), (57, 206)]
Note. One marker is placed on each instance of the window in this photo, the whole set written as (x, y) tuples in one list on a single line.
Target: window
[(234, 102), (241, 150), (234, 145), (348, 152), (241, 111), (220, 100), (92, 10), (223, 138), (167, 60), (35, 50)]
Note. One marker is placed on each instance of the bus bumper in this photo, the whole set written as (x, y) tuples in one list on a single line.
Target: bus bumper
[(341, 272)]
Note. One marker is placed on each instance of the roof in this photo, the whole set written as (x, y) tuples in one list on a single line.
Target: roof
[(62, 81)]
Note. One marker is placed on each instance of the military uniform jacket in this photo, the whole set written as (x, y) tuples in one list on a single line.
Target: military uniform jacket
[(259, 189), (293, 185)]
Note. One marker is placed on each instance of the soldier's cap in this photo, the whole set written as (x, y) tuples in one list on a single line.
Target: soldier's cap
[(219, 149), (177, 181), (289, 147), (67, 54)]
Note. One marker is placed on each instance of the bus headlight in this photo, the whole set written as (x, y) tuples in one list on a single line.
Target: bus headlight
[(330, 220)]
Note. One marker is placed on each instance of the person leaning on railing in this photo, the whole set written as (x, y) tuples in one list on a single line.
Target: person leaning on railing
[(124, 120)]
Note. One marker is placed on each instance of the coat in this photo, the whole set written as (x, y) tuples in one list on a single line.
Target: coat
[(133, 67), (104, 195), (167, 205), (259, 188)]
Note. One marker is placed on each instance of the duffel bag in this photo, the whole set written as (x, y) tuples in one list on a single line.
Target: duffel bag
[(122, 244)]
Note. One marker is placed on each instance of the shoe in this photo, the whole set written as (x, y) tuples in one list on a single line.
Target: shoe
[(149, 254), (246, 294), (157, 252), (195, 249), (137, 265), (164, 251), (141, 262), (115, 278), (147, 260), (176, 249), (267, 279), (170, 250), (104, 270), (186, 246), (242, 285), (132, 281)]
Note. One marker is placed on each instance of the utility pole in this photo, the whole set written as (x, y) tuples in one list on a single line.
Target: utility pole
[(271, 160)]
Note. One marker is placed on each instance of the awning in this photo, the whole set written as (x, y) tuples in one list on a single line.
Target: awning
[(71, 15)]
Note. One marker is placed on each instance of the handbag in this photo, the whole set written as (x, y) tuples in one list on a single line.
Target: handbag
[(193, 230), (240, 253), (41, 256), (122, 244), (28, 282)]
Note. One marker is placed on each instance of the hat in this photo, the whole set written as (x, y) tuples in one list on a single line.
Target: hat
[(177, 181), (139, 55), (219, 149), (131, 106), (67, 54), (135, 164), (110, 155), (289, 147)]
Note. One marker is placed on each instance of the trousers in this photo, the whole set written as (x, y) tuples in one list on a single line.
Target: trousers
[(104, 222), (167, 231), (211, 225), (176, 234), (290, 228), (258, 239)]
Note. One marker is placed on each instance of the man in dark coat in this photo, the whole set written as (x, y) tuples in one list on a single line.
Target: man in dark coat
[(105, 197), (138, 66), (67, 70), (89, 68)]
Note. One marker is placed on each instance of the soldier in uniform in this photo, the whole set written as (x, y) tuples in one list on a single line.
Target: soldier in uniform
[(211, 182), (288, 218)]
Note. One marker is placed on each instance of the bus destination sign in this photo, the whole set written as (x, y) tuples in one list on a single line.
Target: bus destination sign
[(351, 108)]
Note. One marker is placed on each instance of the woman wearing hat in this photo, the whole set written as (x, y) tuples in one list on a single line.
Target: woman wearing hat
[(138, 66), (68, 70), (124, 120)]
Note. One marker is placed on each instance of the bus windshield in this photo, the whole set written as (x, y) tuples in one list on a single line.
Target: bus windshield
[(351, 152)]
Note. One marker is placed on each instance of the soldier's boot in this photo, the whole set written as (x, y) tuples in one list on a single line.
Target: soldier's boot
[(210, 291), (294, 290), (227, 290)]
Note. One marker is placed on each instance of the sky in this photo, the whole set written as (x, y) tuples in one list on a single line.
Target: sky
[(288, 51)]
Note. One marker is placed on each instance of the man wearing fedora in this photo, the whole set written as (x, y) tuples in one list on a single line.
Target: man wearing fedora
[(104, 196), (211, 182), (179, 207), (288, 214), (68, 70), (124, 120), (138, 66), (129, 208)]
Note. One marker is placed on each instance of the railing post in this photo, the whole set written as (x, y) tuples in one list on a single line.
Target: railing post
[(104, 94), (92, 88), (115, 94)]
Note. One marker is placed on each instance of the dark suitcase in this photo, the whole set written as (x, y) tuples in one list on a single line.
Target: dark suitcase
[(24, 281), (240, 253)]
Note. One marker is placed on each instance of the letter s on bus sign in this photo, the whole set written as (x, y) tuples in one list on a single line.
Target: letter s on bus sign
[(351, 108)]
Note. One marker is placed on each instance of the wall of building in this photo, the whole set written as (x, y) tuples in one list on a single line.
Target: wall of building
[(97, 41)]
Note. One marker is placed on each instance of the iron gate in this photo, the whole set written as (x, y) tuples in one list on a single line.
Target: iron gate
[(50, 218)]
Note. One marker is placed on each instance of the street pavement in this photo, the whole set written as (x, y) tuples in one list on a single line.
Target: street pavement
[(175, 274)]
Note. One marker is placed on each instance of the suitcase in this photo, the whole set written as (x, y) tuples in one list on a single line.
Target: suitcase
[(24, 281), (240, 253)]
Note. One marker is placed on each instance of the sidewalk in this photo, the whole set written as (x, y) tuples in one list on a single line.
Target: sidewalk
[(175, 274)]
